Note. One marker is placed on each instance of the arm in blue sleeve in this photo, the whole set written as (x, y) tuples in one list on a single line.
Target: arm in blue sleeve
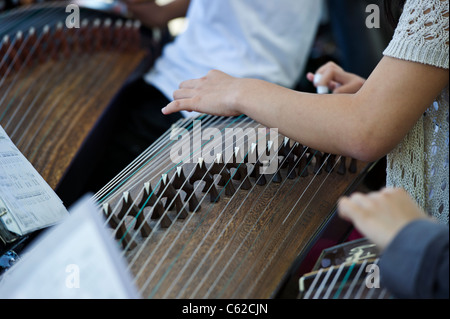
[(416, 263)]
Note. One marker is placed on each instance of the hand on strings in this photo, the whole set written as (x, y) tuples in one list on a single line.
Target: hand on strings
[(336, 79), (380, 215), (212, 94)]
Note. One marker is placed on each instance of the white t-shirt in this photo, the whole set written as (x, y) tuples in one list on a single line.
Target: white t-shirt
[(268, 40)]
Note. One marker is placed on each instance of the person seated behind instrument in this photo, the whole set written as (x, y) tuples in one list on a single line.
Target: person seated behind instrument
[(414, 248), (400, 110), (245, 38)]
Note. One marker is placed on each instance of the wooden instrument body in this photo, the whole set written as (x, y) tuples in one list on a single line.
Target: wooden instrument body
[(56, 91), (241, 246)]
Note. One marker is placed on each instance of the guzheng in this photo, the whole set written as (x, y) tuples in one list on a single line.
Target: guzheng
[(210, 224), (197, 223), (56, 83)]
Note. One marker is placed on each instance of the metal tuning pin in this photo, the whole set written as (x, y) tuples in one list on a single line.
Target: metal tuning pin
[(353, 166), (4, 48), (285, 152), (331, 160), (96, 35), (173, 198), (16, 51), (302, 160), (342, 168), (289, 158), (44, 48), (28, 47), (118, 35), (242, 170), (201, 174), (129, 209), (234, 163), (219, 168), (128, 35), (276, 178), (150, 199), (319, 158), (107, 34), (64, 43), (121, 232), (180, 182), (57, 39), (86, 36), (136, 35), (256, 172)]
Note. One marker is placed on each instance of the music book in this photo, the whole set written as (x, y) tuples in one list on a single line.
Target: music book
[(27, 202), (76, 259)]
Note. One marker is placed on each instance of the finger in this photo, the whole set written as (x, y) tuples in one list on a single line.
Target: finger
[(328, 66), (310, 76), (188, 84), (364, 201), (349, 210), (177, 105), (183, 94), (333, 86)]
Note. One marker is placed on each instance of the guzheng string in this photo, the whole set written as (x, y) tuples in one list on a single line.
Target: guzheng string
[(166, 211), (343, 288), (149, 156), (135, 256), (141, 161), (293, 224), (195, 251), (77, 62), (166, 171), (245, 238), (210, 250), (70, 70), (150, 168)]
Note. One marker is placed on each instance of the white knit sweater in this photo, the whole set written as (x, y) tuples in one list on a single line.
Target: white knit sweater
[(419, 163)]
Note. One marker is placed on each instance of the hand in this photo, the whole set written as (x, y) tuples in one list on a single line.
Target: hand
[(336, 79), (380, 215), (213, 94)]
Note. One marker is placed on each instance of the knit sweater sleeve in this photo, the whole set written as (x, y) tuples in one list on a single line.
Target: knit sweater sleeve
[(422, 34)]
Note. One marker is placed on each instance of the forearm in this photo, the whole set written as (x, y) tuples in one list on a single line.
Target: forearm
[(324, 122), (365, 125)]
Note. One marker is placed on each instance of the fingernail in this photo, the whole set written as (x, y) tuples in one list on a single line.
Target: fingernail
[(163, 110)]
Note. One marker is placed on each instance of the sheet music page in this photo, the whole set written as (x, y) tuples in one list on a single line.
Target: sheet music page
[(77, 259), (27, 202)]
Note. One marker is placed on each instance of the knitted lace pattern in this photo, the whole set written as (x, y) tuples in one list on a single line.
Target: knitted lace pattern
[(420, 162)]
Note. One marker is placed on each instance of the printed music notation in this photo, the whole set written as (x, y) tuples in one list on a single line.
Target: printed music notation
[(27, 202), (76, 259)]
